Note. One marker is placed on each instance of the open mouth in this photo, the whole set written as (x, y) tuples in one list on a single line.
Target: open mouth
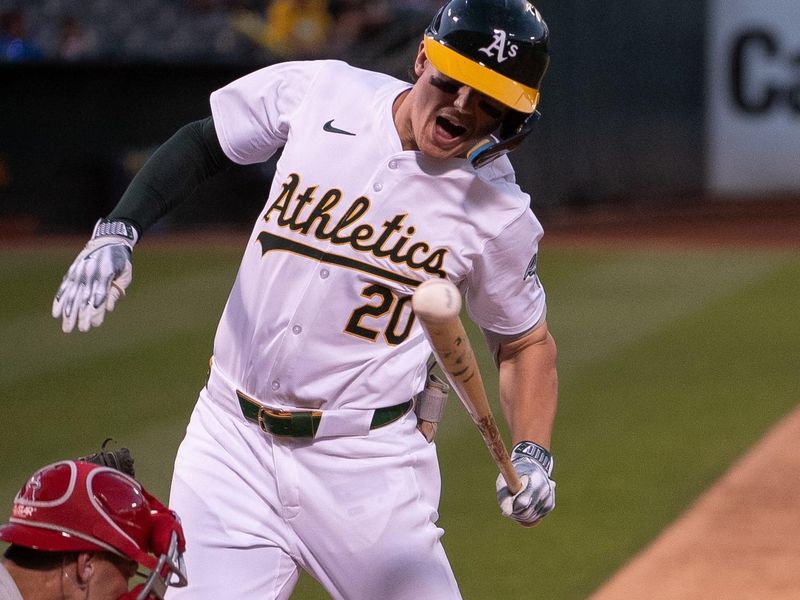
[(451, 129)]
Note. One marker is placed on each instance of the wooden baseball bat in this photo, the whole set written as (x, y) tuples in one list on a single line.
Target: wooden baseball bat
[(437, 304)]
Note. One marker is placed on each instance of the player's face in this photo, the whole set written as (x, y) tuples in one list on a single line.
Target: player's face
[(445, 117)]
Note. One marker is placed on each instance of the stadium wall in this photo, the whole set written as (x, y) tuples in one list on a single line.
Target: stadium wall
[(640, 104)]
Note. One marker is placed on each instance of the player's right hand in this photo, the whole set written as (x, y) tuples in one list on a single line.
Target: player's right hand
[(537, 498), (97, 278)]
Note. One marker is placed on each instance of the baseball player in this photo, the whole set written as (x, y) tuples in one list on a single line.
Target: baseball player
[(80, 530), (303, 451)]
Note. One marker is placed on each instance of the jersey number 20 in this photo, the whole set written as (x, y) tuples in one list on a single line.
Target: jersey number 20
[(394, 331)]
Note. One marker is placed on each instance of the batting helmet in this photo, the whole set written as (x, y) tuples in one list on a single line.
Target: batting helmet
[(74, 506), (499, 48)]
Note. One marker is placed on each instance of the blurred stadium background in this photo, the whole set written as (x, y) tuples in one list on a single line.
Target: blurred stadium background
[(677, 351), (646, 102)]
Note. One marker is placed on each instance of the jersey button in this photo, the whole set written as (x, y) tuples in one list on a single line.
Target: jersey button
[(392, 164), (297, 330), (276, 385), (377, 186), (324, 273)]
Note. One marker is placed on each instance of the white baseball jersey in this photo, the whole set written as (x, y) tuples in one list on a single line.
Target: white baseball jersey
[(320, 313)]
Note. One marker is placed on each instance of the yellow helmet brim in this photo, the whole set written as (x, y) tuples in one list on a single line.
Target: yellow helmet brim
[(481, 78)]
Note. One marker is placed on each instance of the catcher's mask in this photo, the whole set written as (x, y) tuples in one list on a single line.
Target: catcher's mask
[(499, 48), (82, 507)]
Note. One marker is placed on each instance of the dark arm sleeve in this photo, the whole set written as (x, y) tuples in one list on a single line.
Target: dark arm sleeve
[(170, 176)]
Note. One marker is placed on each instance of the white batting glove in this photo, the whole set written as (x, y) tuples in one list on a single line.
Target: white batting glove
[(537, 498), (97, 278)]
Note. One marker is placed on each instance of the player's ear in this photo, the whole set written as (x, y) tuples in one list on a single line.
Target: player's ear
[(421, 61), (84, 568)]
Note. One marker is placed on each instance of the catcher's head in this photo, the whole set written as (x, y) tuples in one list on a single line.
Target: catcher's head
[(500, 49), (75, 506)]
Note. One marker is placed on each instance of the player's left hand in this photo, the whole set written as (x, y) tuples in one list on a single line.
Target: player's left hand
[(97, 278), (537, 498)]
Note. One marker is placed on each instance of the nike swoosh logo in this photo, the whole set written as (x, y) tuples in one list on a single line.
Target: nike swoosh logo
[(331, 129)]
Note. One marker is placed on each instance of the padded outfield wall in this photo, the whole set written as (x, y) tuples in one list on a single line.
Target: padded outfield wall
[(753, 106)]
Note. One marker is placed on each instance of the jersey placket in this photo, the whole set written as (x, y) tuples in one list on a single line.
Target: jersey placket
[(283, 380), (385, 179), (298, 332)]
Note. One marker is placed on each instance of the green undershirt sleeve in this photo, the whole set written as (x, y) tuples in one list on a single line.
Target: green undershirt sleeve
[(172, 174)]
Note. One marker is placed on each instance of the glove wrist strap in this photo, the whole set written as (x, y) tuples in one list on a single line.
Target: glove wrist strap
[(536, 453), (115, 228)]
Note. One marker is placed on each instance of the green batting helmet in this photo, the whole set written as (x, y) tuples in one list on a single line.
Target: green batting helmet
[(499, 48)]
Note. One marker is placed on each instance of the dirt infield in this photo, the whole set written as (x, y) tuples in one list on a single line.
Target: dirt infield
[(739, 541), (693, 222)]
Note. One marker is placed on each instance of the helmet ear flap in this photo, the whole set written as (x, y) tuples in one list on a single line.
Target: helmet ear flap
[(514, 121), (514, 129)]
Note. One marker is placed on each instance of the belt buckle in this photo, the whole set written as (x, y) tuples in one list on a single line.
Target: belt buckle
[(261, 424), (276, 414), (284, 423)]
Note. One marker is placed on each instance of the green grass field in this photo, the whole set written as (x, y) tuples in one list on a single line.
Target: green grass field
[(672, 363)]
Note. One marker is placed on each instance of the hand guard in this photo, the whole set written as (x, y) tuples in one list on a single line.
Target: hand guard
[(119, 459), (537, 497), (429, 406), (97, 278)]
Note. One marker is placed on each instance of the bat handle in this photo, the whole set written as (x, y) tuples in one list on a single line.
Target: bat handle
[(494, 442), (510, 475)]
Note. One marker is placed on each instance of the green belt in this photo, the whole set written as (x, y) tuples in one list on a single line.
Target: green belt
[(305, 423)]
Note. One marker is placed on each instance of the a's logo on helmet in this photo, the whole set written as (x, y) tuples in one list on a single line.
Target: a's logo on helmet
[(501, 46)]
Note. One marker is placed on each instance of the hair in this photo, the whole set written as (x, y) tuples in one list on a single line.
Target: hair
[(44, 560), (38, 560)]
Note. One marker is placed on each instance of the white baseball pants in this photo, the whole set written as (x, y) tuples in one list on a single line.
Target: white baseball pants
[(357, 513)]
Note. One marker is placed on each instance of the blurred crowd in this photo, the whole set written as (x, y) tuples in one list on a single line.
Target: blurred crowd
[(210, 31)]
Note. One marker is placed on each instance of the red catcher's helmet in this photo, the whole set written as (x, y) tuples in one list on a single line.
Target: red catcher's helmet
[(83, 507)]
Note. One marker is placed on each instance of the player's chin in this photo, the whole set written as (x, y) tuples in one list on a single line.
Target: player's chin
[(443, 144)]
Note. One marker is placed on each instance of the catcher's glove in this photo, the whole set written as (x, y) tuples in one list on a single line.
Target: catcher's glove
[(119, 459)]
